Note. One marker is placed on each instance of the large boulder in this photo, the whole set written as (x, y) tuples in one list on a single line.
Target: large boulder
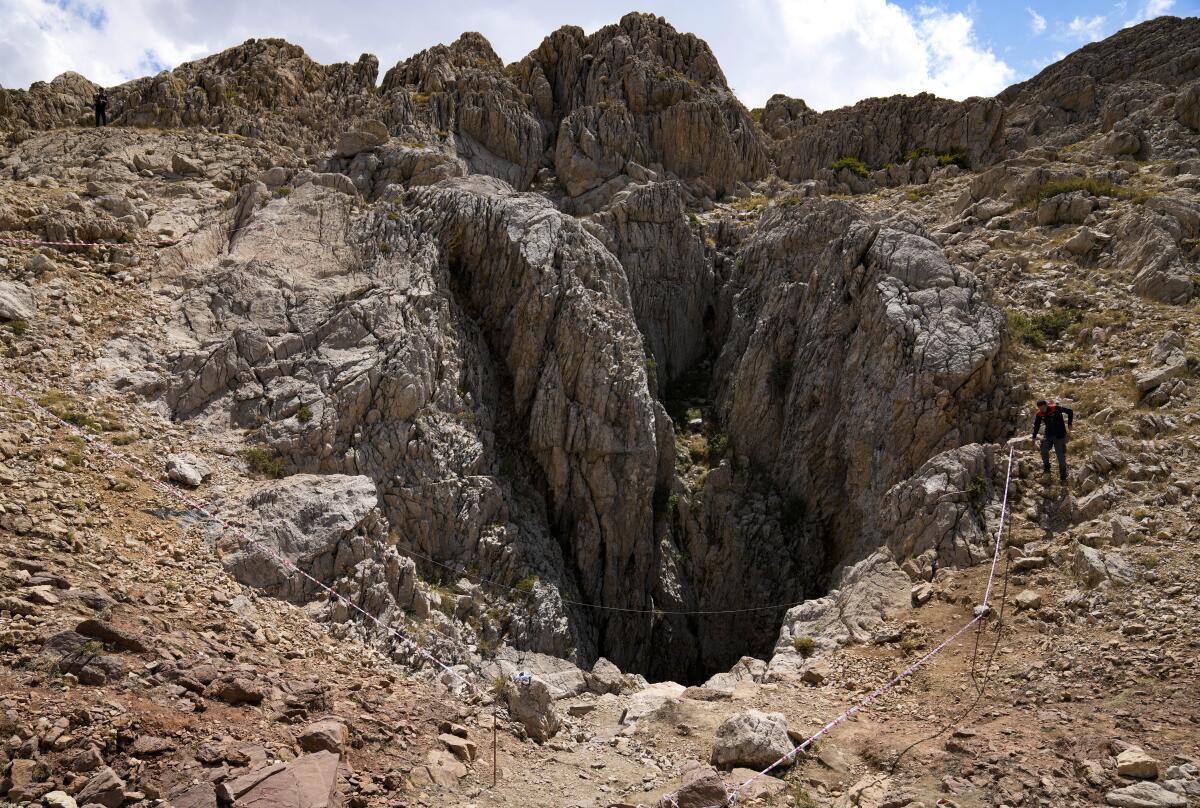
[(187, 469), (702, 787), (309, 781), (937, 516), (1187, 106), (1144, 795), (752, 739), (17, 301), (103, 787), (531, 705), (328, 735)]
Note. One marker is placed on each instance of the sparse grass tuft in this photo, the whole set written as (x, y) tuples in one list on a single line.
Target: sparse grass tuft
[(749, 203), (67, 409), (804, 645), (855, 165), (1092, 185), (801, 798), (18, 327), (304, 414)]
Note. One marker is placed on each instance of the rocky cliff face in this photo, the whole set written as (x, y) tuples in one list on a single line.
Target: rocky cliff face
[(585, 332)]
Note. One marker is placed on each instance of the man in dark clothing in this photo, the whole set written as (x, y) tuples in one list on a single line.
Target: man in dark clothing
[(1055, 435), (100, 103)]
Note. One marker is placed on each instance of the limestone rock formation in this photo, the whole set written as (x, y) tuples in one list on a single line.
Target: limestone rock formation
[(879, 131), (818, 290), (640, 95), (936, 516), (864, 596)]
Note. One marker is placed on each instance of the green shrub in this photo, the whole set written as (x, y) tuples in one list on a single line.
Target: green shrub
[(717, 449), (855, 165), (789, 200), (304, 414), (283, 190), (18, 327), (804, 645), (976, 491), (263, 462), (526, 584), (1047, 326), (385, 248)]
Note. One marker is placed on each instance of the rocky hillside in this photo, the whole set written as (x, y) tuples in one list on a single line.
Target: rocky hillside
[(579, 368)]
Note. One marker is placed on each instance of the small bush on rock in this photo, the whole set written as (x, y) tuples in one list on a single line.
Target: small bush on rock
[(855, 165)]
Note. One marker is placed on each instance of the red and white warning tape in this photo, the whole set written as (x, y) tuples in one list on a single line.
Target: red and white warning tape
[(204, 511), (17, 242), (980, 613)]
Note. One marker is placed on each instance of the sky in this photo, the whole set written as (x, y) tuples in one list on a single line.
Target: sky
[(829, 52)]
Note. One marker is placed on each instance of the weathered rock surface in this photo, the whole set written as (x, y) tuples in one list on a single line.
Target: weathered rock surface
[(1144, 795), (531, 705), (863, 597), (752, 739), (16, 301), (879, 131), (820, 288), (937, 516)]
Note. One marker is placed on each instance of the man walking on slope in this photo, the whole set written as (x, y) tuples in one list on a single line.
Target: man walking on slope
[(100, 104), (1055, 435)]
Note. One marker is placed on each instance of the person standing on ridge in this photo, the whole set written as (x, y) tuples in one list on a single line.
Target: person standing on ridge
[(1055, 435), (100, 104)]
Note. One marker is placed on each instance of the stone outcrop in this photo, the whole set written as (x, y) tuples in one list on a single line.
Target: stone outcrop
[(639, 95), (671, 280), (1150, 242), (879, 131), (937, 516), (856, 352), (263, 88), (864, 596), (1105, 82)]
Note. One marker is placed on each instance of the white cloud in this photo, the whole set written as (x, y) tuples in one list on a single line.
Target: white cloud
[(830, 54), (1149, 10), (1037, 23), (837, 54), (1085, 29)]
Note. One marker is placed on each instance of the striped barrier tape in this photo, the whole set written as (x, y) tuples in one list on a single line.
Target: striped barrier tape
[(17, 242), (203, 510)]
